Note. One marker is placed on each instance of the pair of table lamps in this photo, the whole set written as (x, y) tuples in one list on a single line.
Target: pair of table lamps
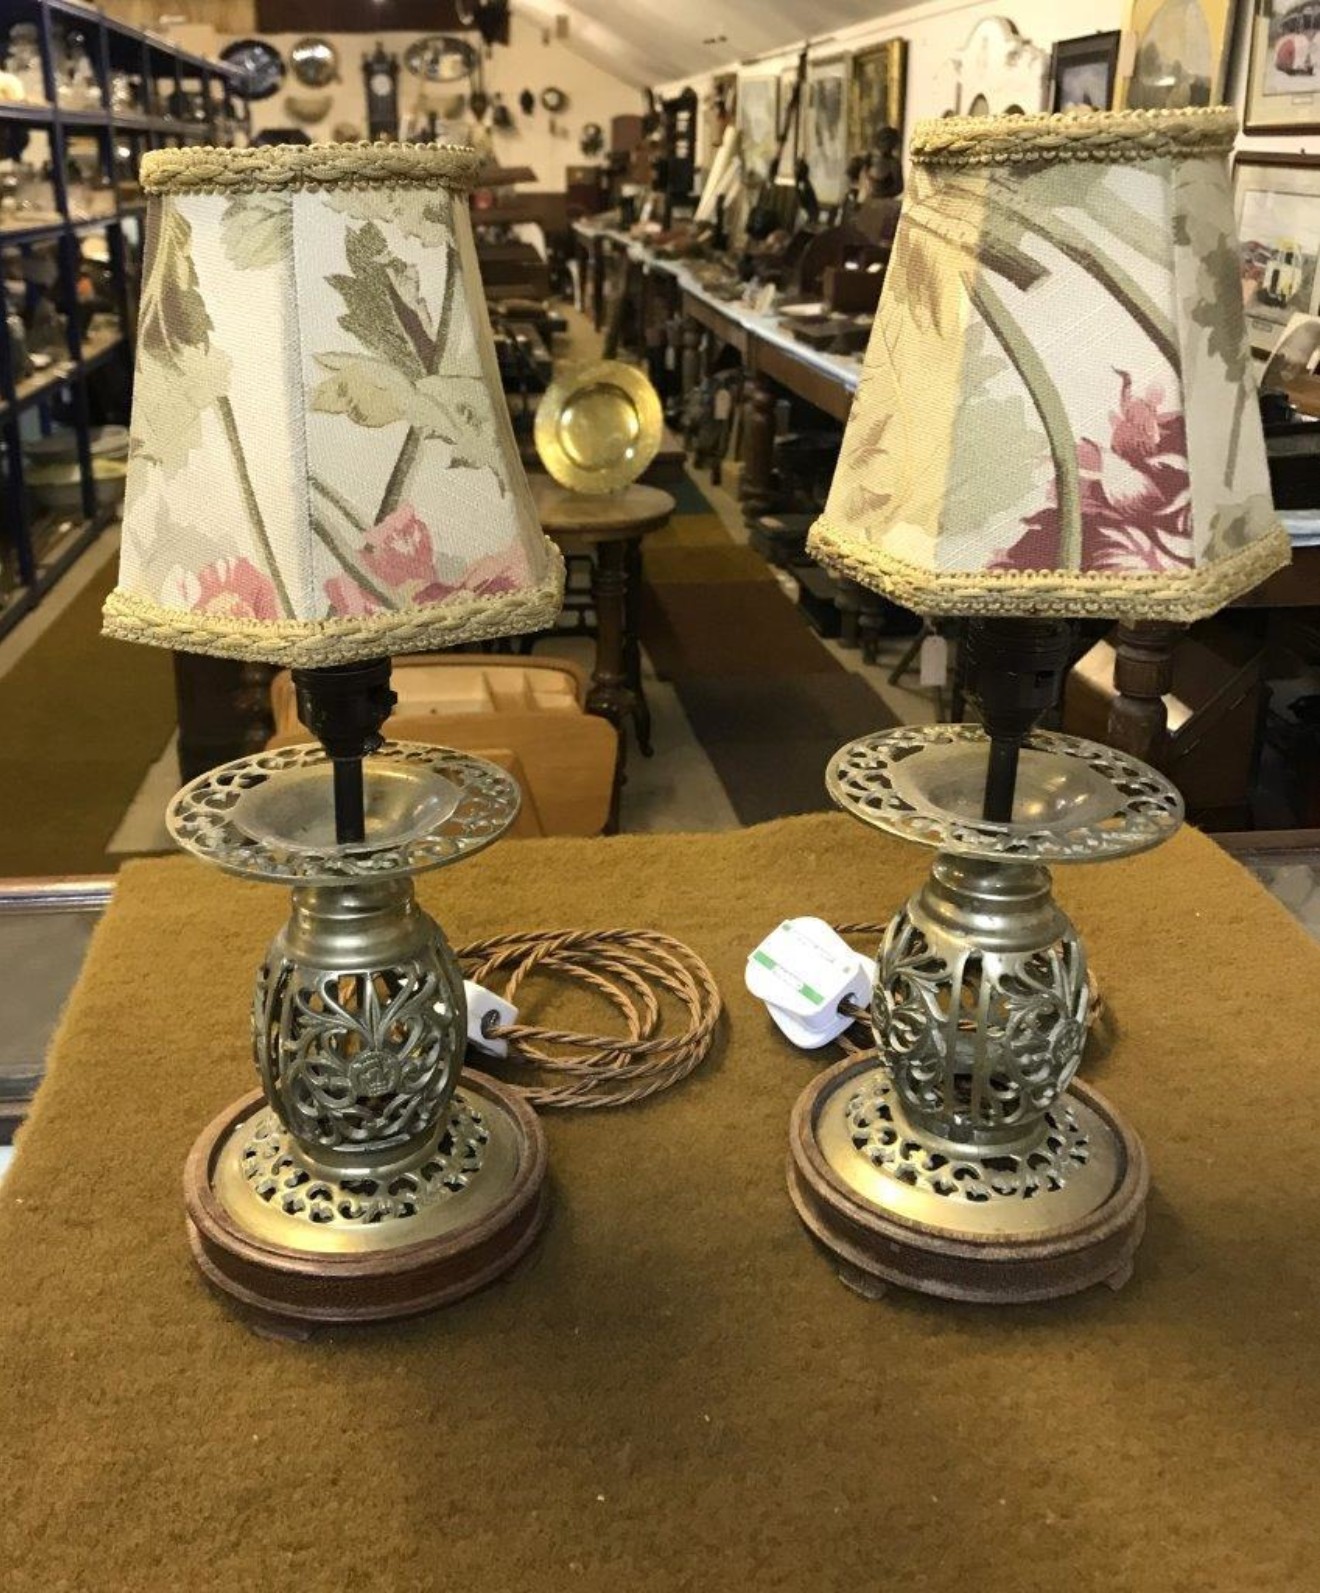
[(1055, 419)]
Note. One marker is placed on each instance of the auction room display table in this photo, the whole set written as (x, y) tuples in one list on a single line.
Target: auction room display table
[(674, 1391)]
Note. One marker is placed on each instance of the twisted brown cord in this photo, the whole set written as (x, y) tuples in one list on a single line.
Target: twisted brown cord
[(628, 967)]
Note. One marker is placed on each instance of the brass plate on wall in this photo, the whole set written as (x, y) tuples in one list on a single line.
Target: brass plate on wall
[(599, 427)]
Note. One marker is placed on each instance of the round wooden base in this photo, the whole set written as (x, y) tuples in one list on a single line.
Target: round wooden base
[(875, 1248), (290, 1292)]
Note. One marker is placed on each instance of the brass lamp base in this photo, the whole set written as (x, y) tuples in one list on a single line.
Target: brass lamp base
[(895, 1211), (299, 1249)]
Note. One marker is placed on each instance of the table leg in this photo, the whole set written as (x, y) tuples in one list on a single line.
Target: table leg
[(758, 452), (1143, 673), (609, 693), (632, 648)]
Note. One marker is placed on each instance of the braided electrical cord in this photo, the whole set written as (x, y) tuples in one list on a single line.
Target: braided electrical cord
[(628, 968)]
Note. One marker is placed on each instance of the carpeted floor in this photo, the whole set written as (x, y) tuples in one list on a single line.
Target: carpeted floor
[(674, 1394), (81, 720), (765, 698)]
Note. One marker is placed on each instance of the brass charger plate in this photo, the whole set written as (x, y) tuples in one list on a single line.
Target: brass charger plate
[(599, 427)]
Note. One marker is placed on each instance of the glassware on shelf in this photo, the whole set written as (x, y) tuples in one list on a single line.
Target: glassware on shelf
[(23, 60), (75, 77)]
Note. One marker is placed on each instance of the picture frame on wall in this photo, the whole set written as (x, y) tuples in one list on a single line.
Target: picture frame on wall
[(825, 125), (758, 123), (1277, 199), (1084, 72), (1176, 53), (1283, 68), (877, 93)]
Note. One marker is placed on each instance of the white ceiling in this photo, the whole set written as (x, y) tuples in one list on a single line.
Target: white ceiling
[(655, 41)]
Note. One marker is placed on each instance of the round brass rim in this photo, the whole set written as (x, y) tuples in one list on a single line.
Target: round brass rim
[(599, 427)]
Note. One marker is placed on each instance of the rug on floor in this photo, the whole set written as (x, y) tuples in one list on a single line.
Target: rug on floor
[(767, 700), (84, 719)]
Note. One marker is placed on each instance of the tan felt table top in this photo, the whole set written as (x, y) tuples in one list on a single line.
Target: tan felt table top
[(674, 1392)]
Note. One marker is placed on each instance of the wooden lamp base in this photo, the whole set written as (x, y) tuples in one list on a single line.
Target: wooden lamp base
[(365, 1273), (875, 1245)]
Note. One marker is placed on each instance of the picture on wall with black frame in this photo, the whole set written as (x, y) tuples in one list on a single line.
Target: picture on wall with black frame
[(1084, 72)]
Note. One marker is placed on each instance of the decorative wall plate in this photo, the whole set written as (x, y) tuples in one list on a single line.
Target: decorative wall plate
[(308, 108), (440, 58), (599, 427), (554, 100), (261, 64), (315, 62)]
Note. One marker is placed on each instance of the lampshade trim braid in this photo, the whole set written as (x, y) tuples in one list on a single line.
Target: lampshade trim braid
[(1118, 137), (283, 167), (1178, 599), (463, 618)]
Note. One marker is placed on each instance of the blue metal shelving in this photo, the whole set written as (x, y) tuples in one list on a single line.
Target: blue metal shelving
[(167, 75)]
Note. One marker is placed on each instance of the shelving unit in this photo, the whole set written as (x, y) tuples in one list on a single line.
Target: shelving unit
[(185, 99)]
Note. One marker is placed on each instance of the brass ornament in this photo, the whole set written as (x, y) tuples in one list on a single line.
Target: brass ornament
[(599, 427)]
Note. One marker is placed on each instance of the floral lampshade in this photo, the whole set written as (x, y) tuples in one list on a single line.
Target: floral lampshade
[(322, 466), (1057, 414)]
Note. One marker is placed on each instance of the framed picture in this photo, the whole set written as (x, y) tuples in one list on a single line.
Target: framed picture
[(877, 93), (758, 123), (1294, 366), (825, 123), (1178, 53), (1083, 72), (1283, 75), (998, 72), (1277, 198)]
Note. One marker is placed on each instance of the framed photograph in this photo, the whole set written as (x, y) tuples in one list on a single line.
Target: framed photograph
[(1178, 53), (825, 123), (758, 123), (1084, 72), (1283, 75), (1277, 198), (877, 93)]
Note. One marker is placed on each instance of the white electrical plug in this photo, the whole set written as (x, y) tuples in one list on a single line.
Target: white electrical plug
[(486, 1011), (804, 970)]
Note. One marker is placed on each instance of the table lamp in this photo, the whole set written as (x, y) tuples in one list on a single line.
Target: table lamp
[(1057, 419), (322, 473)]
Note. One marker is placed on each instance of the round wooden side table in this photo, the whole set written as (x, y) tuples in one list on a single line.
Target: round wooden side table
[(612, 526)]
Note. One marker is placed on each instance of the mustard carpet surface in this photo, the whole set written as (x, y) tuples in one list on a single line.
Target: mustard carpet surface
[(674, 1392)]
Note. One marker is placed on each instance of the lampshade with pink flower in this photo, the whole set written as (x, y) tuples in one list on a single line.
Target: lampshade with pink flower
[(1057, 413), (322, 467)]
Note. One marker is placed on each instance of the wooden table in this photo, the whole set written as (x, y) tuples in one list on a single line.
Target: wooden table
[(612, 526)]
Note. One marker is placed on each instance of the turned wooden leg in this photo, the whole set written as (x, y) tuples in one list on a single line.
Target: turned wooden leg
[(757, 491), (609, 693), (689, 356), (1143, 674)]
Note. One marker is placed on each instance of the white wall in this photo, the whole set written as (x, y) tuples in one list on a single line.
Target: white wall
[(528, 61), (936, 28)]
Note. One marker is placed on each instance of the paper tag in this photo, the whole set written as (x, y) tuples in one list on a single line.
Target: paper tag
[(934, 660), (486, 1011), (803, 970), (671, 357), (723, 404)]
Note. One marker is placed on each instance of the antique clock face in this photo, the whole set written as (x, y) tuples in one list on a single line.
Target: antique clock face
[(261, 64)]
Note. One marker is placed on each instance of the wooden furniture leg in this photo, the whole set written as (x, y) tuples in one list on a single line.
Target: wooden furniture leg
[(1143, 674), (632, 647), (609, 694), (757, 491)]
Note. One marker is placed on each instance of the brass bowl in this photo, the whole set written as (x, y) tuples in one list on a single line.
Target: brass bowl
[(599, 427)]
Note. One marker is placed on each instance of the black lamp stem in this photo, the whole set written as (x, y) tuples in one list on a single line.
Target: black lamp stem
[(1014, 669), (344, 706)]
